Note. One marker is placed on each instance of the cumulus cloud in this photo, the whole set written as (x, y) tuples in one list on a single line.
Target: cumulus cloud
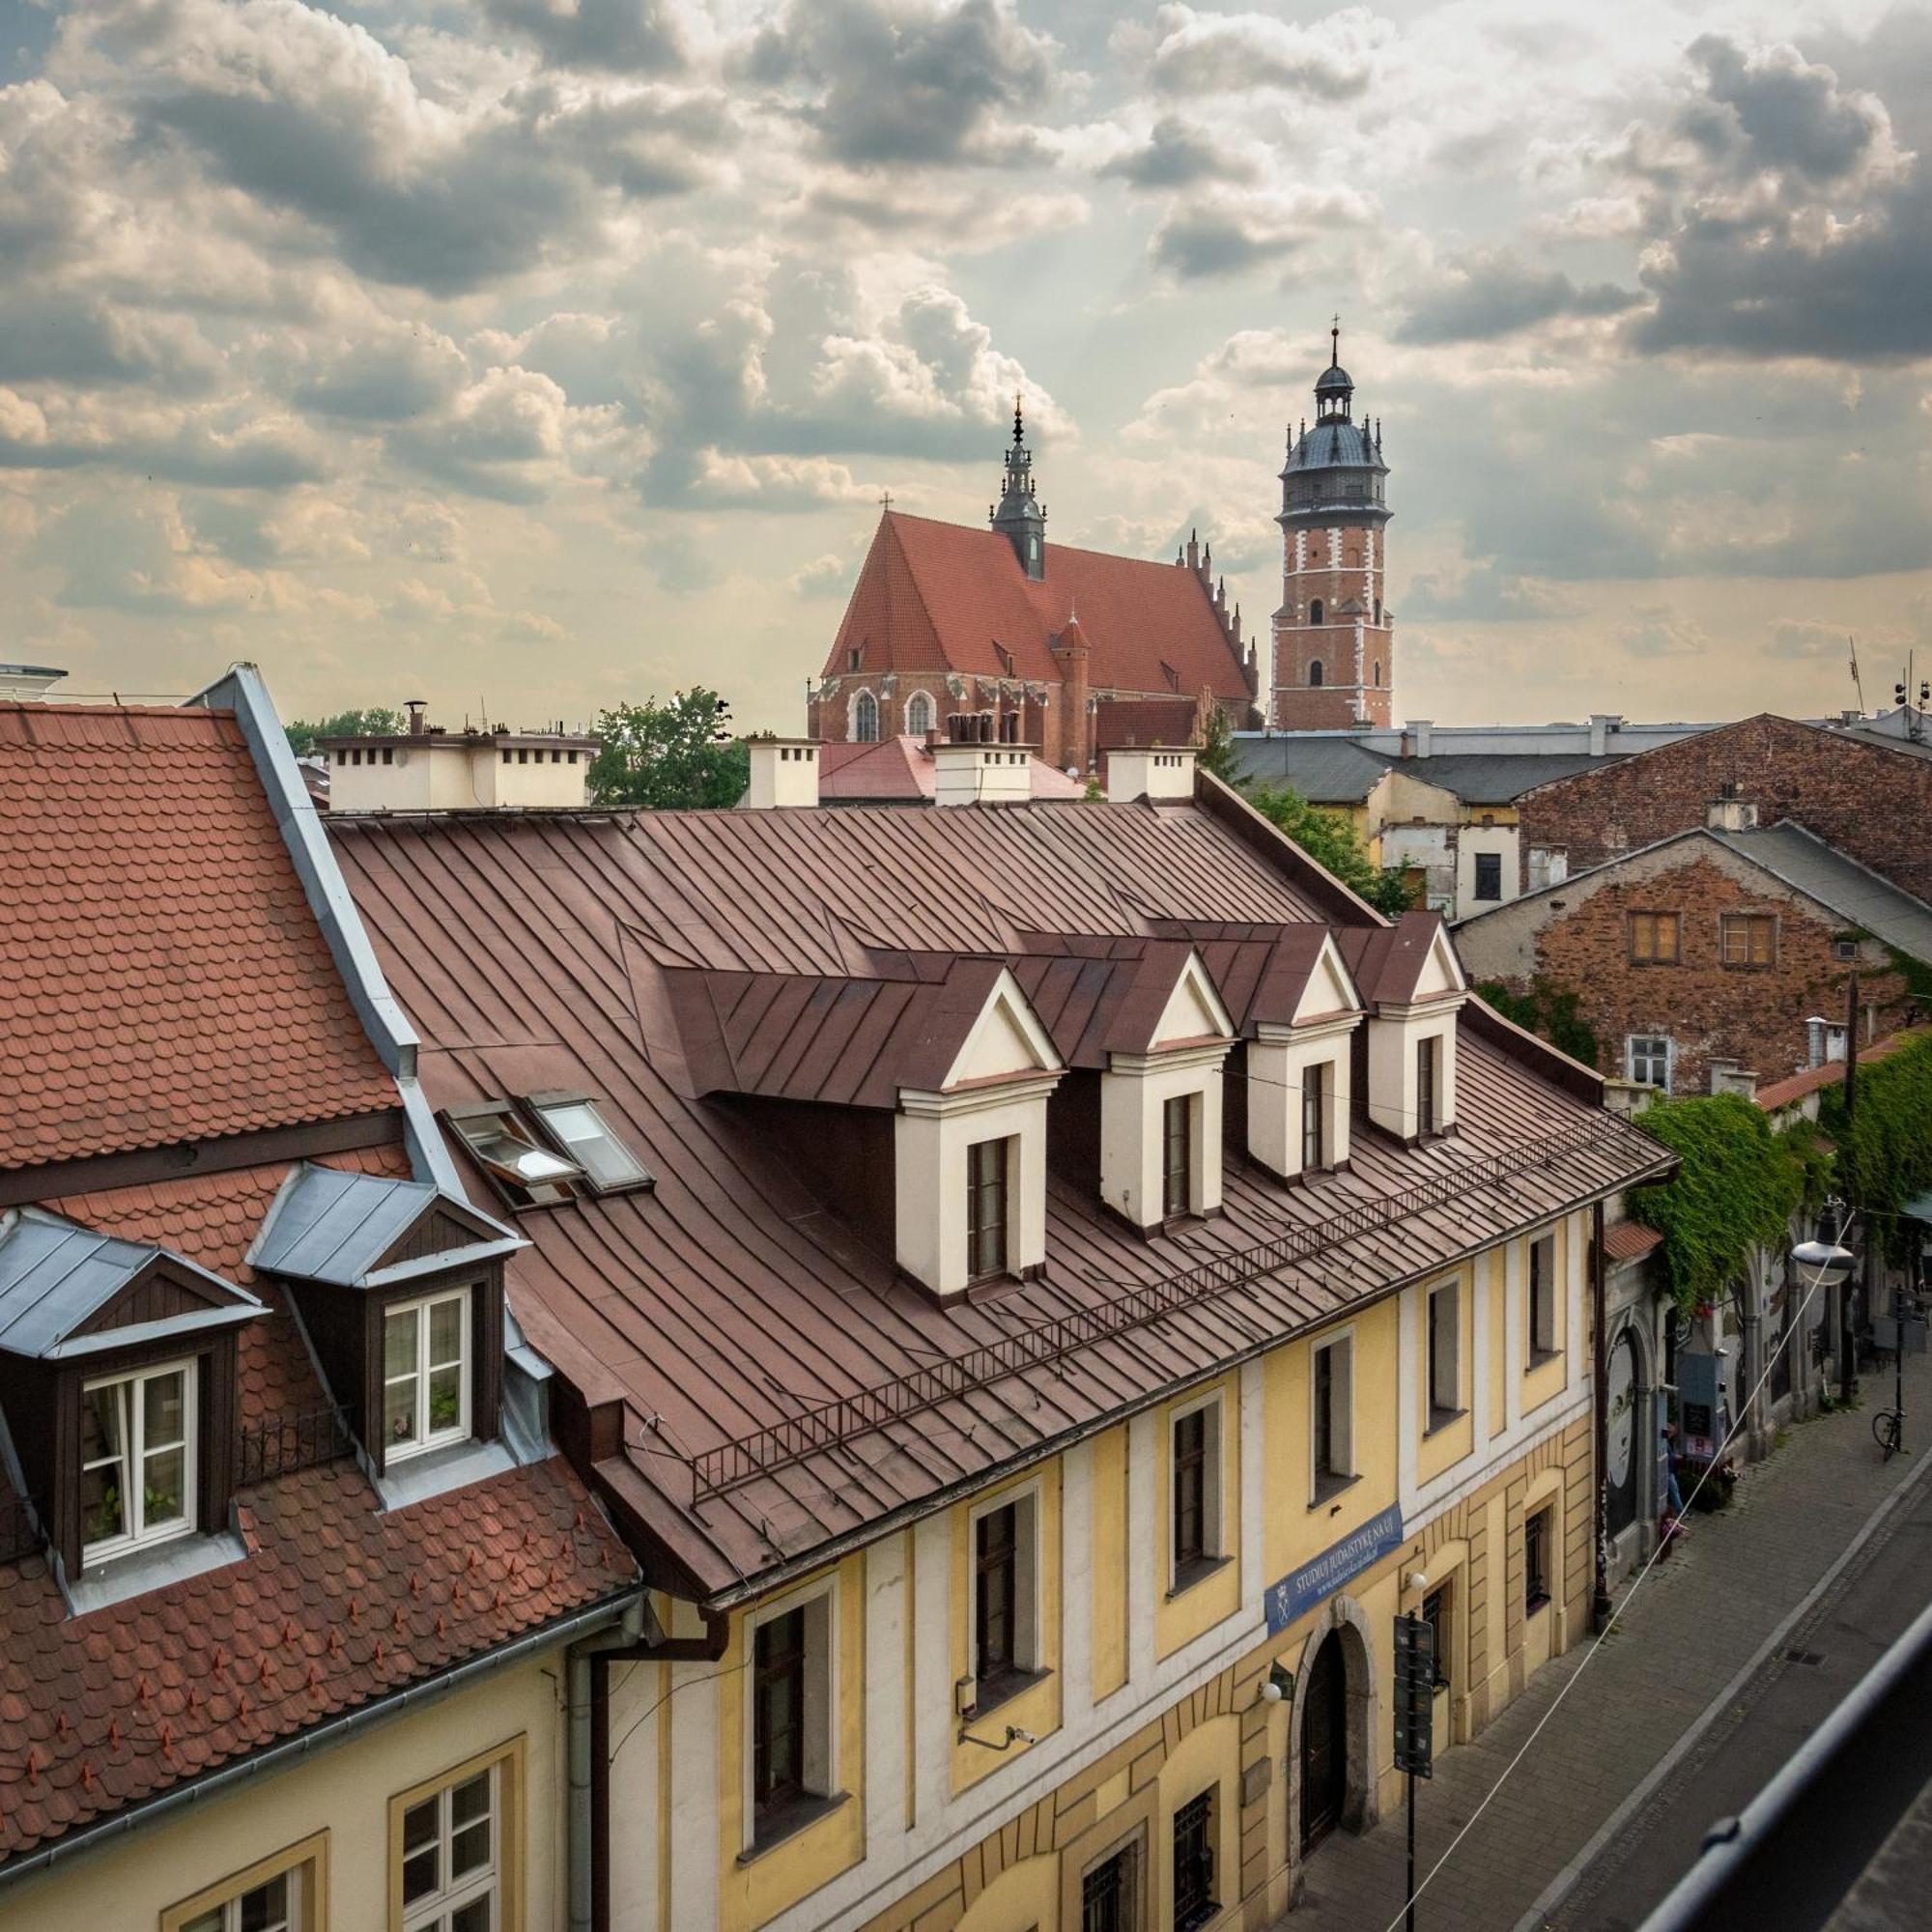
[(1179, 154), (1232, 54), (1495, 292), (629, 36), (1227, 234)]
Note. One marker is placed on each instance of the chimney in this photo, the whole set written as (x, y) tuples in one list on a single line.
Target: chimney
[(27, 684), (1424, 729), (418, 724), (1160, 774), (1732, 1076), (1730, 814), (1601, 724), (785, 772), (982, 774)]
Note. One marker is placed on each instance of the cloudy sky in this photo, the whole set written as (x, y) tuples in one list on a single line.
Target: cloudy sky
[(530, 353)]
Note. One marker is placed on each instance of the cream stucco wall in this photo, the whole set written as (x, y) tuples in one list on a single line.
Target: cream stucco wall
[(931, 1135), (1277, 1065), (1133, 1096)]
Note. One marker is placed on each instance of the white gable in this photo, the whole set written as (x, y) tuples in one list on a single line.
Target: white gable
[(1442, 972), (1193, 1010), (1329, 989), (1006, 1038)]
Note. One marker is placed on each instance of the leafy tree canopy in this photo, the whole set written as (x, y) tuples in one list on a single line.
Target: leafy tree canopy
[(375, 720), (669, 756), (1735, 1189), (1217, 749), (1329, 839), (1548, 1010)]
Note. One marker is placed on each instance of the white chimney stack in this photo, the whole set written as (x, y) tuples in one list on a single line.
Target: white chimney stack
[(785, 772), (1730, 814), (1160, 774), (27, 684), (976, 774), (1424, 729), (1601, 724)]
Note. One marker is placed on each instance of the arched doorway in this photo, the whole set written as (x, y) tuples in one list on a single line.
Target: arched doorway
[(1621, 1460), (1324, 1743)]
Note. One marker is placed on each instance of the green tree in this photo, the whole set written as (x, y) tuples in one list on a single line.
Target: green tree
[(1548, 1010), (1329, 839), (1217, 749), (669, 756), (1885, 1148), (374, 721)]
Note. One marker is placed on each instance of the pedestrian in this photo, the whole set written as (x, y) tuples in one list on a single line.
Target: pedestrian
[(1673, 1526)]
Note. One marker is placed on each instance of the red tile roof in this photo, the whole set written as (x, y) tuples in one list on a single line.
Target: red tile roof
[(161, 977), (1628, 1241), (901, 768), (1123, 723), (943, 597), (1815, 1079)]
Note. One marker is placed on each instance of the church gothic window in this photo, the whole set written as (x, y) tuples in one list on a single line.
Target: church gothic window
[(1315, 611), (1315, 671), (866, 719), (918, 713)]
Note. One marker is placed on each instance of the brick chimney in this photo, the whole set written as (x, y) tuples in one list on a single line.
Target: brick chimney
[(1074, 657)]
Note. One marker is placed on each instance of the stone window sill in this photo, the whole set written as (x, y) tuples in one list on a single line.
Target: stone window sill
[(1195, 1570), (1329, 1487), (1440, 1419), (786, 1821)]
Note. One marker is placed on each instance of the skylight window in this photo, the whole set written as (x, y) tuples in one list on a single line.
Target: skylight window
[(525, 1175), (584, 1133)]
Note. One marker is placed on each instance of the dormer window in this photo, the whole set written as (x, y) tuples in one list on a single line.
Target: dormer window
[(986, 1197), (425, 1384), (1299, 1065), (522, 1174), (137, 1460), (574, 1121), (1177, 1156), (1427, 1061)]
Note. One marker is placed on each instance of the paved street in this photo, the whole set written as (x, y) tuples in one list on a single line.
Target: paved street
[(1701, 1691)]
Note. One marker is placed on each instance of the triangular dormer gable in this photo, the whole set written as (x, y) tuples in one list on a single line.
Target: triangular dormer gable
[(1005, 1041), (1193, 1011), (68, 1291), (1442, 974), (1330, 992)]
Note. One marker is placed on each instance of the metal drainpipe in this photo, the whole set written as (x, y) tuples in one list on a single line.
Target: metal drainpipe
[(582, 1755), (1600, 1377)]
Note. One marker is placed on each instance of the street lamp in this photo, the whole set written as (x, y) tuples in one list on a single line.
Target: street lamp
[(1830, 1268)]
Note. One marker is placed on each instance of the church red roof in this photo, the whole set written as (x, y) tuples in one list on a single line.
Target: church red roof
[(943, 597)]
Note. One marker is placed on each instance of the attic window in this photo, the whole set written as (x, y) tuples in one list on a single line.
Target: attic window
[(574, 1122), (136, 1461), (523, 1174)]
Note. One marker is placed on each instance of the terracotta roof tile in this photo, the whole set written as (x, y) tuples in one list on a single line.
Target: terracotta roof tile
[(901, 769), (1777, 1093), (941, 597), (1629, 1241), (161, 977)]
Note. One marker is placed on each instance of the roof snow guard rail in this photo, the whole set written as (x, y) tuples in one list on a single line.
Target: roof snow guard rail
[(832, 1423)]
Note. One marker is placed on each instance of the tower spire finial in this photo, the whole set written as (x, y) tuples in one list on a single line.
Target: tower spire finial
[(1335, 341), (1019, 428)]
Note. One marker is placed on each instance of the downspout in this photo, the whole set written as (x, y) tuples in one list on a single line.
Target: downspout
[(641, 1640), (1600, 1425)]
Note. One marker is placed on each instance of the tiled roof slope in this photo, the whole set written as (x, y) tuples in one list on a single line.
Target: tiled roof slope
[(900, 770), (161, 977), (939, 597), (734, 1296)]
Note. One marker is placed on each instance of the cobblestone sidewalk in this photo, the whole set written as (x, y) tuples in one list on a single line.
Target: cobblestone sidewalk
[(1681, 1641)]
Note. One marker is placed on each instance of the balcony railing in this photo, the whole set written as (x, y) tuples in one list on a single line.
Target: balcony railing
[(291, 1443), (832, 1423)]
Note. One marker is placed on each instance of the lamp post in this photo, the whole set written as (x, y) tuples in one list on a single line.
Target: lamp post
[(1830, 1268)]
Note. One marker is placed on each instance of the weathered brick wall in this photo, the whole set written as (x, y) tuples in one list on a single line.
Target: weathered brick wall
[(1874, 804), (1755, 1016)]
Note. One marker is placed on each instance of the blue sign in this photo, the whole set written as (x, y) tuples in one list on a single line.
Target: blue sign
[(1303, 1590)]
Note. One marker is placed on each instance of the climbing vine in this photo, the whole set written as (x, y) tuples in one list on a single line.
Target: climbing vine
[(1885, 1148), (1735, 1189), (1548, 1010)]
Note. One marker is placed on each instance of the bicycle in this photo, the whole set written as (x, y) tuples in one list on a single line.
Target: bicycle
[(1889, 1431)]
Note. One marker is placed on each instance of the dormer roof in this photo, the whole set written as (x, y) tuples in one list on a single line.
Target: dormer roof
[(370, 1231), (1404, 964), (67, 1291)]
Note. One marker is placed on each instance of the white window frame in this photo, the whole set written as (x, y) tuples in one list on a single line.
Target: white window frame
[(1025, 1502), (1631, 1056), (1536, 1355), (859, 697), (819, 1602), (227, 1915), (1440, 1412), (427, 1439), (547, 1111), (925, 698), (1345, 1341), (432, 1913), (1213, 1478), (133, 1455)]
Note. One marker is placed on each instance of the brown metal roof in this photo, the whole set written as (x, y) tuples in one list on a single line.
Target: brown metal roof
[(734, 1299)]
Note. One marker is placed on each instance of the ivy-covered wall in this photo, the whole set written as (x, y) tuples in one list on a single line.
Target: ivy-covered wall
[(1885, 1148)]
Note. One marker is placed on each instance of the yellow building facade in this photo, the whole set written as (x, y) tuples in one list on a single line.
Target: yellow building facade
[(1170, 1726)]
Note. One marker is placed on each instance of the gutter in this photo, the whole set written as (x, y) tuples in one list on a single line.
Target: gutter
[(274, 1757)]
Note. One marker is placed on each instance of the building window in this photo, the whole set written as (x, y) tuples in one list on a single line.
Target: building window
[(1648, 1058), (506, 757), (1542, 1301), (854, 658), (282, 1893), (389, 755), (1378, 662), (137, 1469), (425, 1383), (523, 1174), (1427, 1059), (523, 755), (1003, 1601), (1315, 616), (1315, 1118), (1748, 938), (918, 713), (1195, 1448), (1331, 1414), (570, 757), (342, 757), (1536, 1561), (1177, 1141), (1656, 938), (1194, 1902), (1110, 1893), (455, 1845), (866, 719), (986, 1163), (583, 1134), (1314, 672), (1488, 875), (1446, 1366), (1844, 949), (777, 1714)]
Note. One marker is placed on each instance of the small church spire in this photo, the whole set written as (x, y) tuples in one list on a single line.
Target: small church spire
[(1019, 516)]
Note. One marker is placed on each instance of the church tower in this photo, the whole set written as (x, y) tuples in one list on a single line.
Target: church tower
[(1334, 647), (1019, 517)]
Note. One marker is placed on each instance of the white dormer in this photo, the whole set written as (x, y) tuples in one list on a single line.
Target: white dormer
[(1299, 1074), (970, 1154), (1412, 1045), (1160, 1107)]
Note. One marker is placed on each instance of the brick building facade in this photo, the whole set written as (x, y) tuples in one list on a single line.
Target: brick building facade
[(1872, 801), (1694, 958)]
